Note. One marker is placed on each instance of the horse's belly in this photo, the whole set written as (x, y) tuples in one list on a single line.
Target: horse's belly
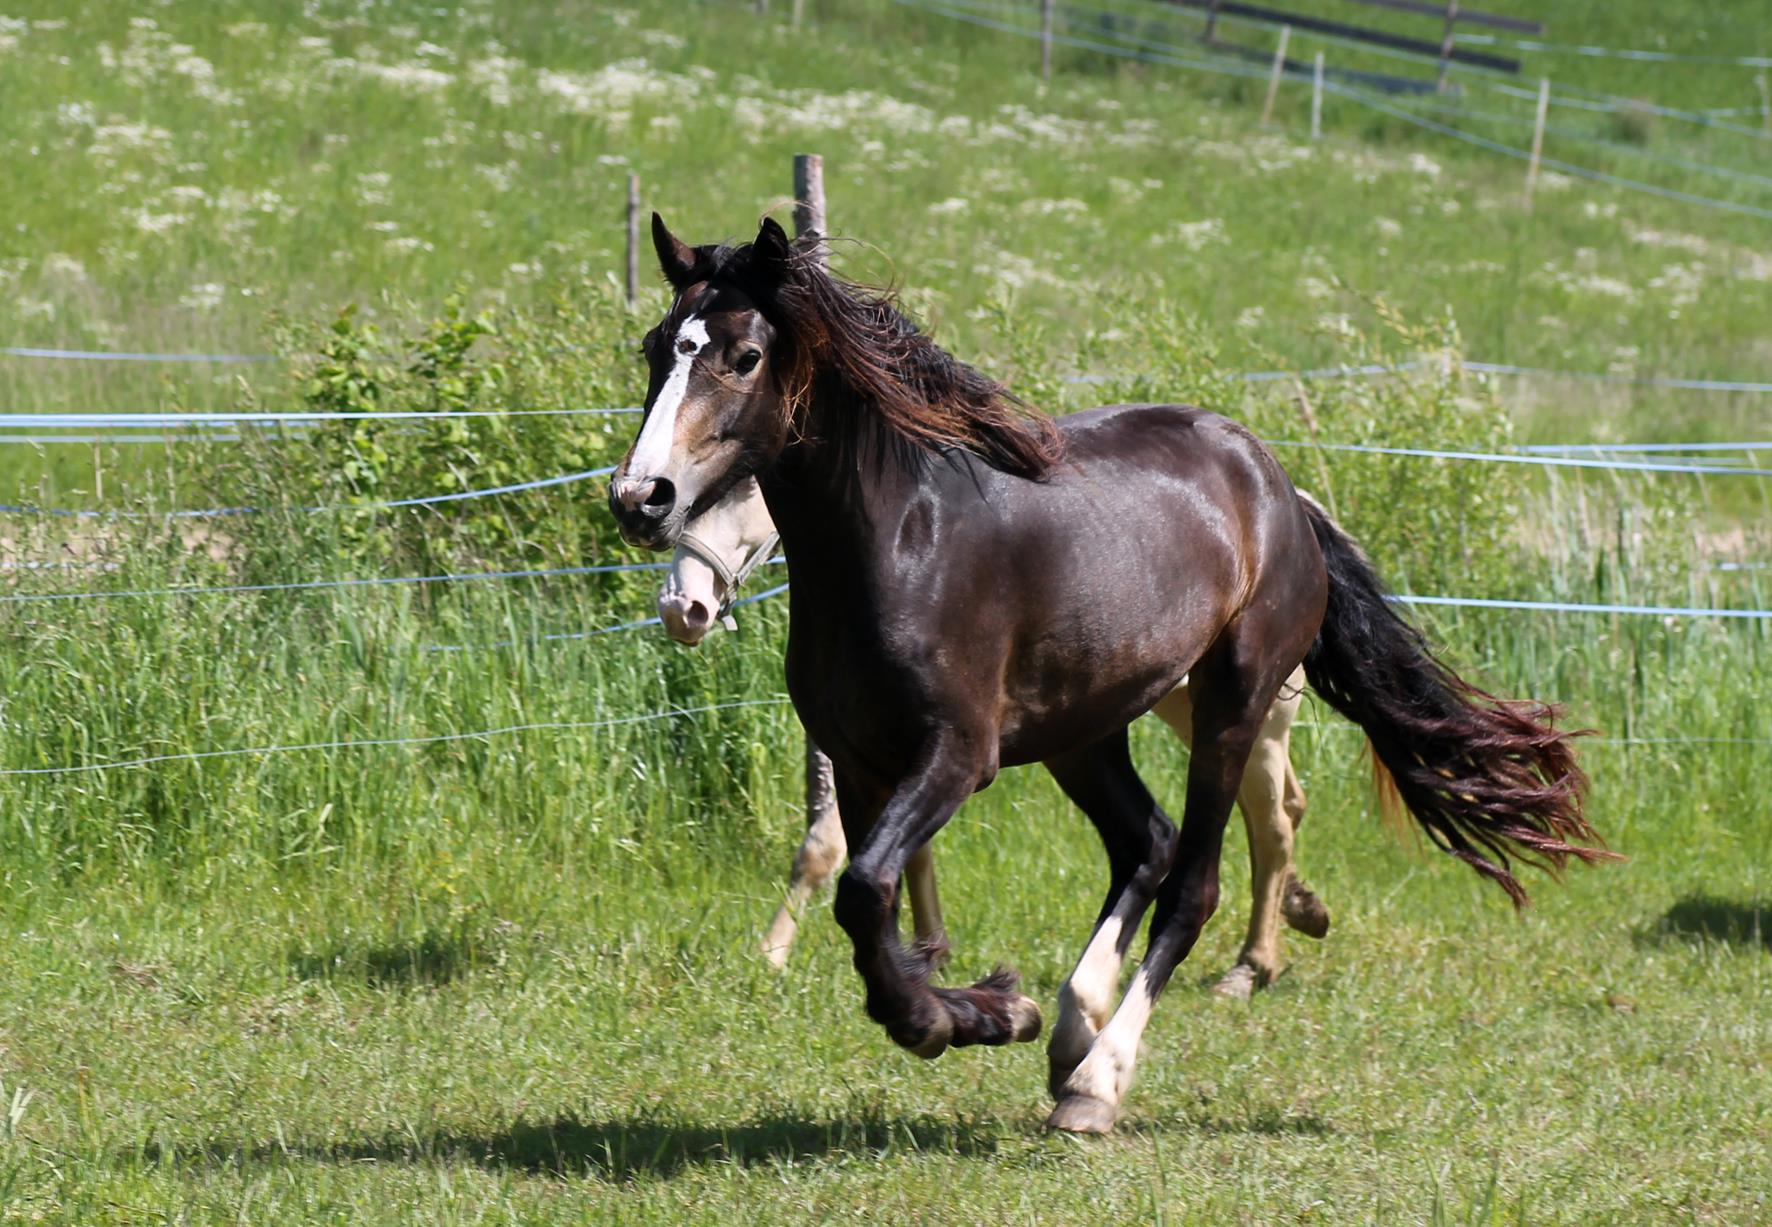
[(1061, 700)]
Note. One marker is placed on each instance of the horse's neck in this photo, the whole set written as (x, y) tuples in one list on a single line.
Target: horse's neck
[(830, 501)]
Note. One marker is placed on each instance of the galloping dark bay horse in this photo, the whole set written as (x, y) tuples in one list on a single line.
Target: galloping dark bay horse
[(975, 587)]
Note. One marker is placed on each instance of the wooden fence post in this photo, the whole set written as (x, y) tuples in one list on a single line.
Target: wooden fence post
[(1446, 44), (1211, 30), (633, 237), (1537, 137), (1765, 102), (1273, 85), (809, 197), (1317, 97), (799, 9), (1045, 40)]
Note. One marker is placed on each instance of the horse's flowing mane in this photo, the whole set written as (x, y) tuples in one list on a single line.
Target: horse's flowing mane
[(852, 340)]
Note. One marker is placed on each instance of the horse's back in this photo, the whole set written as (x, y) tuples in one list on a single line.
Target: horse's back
[(1159, 526)]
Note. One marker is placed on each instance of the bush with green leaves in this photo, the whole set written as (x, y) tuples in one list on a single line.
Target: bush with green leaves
[(498, 381)]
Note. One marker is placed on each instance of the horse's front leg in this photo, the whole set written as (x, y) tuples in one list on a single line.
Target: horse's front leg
[(817, 858), (882, 837)]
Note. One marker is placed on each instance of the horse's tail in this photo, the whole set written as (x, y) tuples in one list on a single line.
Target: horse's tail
[(1487, 778)]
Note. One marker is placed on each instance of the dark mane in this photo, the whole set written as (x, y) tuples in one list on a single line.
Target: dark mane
[(852, 340)]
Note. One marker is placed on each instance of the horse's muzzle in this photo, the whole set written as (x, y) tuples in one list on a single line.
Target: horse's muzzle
[(643, 510)]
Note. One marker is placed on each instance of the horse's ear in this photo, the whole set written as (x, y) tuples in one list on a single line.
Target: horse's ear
[(772, 253), (675, 257)]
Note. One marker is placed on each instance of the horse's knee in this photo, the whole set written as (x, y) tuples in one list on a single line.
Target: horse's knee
[(861, 903)]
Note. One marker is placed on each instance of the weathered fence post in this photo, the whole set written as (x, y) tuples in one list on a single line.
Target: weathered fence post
[(633, 237), (809, 197), (1045, 40), (1765, 102), (799, 9), (1537, 137), (1273, 84), (1211, 30), (1317, 97), (1446, 44)]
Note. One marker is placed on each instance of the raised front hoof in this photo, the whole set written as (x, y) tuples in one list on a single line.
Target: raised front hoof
[(1240, 982), (1303, 911), (991, 1011), (1024, 1021), (1083, 1114)]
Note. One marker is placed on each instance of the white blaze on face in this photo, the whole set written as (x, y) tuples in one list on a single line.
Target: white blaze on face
[(652, 451)]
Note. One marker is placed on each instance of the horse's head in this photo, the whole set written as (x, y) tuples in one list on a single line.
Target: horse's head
[(716, 406), (714, 554)]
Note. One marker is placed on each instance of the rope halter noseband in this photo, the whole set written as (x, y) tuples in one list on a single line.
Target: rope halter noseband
[(733, 580)]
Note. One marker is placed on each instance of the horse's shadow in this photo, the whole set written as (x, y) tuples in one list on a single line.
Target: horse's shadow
[(431, 959), (1700, 918), (618, 1150)]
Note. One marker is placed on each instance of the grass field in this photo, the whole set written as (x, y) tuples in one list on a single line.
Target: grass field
[(460, 977)]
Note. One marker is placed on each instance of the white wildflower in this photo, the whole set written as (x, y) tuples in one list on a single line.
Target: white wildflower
[(149, 222), (950, 206), (1194, 236), (206, 296), (59, 266), (1067, 207)]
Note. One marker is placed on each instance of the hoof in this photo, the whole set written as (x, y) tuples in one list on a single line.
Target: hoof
[(1083, 1114), (1303, 911), (1024, 1020), (776, 957), (935, 1042), (1239, 983)]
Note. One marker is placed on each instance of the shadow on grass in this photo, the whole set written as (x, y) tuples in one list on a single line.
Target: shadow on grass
[(1699, 918), (619, 1150), (430, 959), (1268, 1122)]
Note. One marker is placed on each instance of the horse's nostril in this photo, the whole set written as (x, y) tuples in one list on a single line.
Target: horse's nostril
[(697, 615), (662, 496)]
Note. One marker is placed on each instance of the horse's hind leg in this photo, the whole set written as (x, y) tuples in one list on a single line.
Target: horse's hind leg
[(1237, 680), (1272, 804), (1139, 839), (818, 857), (1262, 798), (919, 882), (1299, 907)]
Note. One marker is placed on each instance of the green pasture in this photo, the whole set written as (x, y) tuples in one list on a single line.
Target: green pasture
[(416, 903)]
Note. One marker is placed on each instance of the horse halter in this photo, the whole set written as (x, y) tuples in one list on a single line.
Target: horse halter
[(733, 579)]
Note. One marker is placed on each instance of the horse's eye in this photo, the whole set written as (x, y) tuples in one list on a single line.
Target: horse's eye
[(747, 361)]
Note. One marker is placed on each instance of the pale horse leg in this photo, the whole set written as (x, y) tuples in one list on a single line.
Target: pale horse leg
[(1272, 805), (821, 854)]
